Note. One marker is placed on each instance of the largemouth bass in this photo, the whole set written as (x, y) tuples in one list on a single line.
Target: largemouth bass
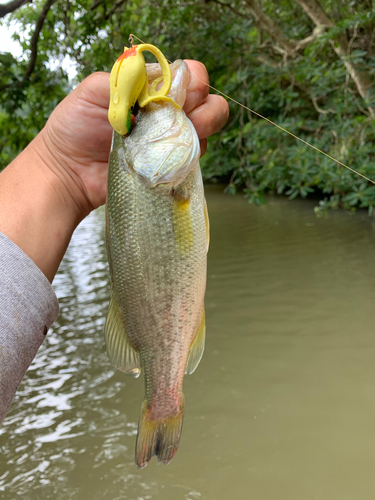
[(157, 242)]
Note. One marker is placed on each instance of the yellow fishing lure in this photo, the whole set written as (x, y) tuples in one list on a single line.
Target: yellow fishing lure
[(129, 84)]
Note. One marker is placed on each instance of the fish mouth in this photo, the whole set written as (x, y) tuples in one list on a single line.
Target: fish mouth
[(135, 112)]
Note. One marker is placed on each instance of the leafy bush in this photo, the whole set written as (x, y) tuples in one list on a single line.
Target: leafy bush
[(316, 81)]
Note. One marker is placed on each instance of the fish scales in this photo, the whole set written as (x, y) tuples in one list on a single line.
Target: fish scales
[(154, 284), (157, 248)]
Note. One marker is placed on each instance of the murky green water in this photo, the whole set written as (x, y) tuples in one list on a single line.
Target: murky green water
[(282, 406)]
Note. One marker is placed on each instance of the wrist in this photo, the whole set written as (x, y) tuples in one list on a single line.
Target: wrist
[(63, 177), (38, 206)]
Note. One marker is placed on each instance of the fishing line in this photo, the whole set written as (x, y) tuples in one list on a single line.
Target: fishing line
[(131, 36)]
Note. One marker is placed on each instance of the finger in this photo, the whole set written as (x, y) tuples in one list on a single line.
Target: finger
[(210, 117), (197, 90), (203, 143)]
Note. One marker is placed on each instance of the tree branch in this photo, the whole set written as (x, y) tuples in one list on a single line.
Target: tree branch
[(271, 27), (268, 61), (12, 6), (315, 12), (95, 4), (302, 44), (115, 6), (314, 100), (285, 46), (35, 38), (230, 7), (341, 46)]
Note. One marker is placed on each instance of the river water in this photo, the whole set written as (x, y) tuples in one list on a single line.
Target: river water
[(282, 406)]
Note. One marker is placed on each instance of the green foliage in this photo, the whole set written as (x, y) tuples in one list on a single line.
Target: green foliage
[(311, 94), (25, 105)]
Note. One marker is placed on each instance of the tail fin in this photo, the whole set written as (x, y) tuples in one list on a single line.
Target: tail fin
[(157, 437)]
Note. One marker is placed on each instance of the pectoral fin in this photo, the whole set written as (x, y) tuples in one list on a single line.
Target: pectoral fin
[(121, 353), (197, 347), (207, 221)]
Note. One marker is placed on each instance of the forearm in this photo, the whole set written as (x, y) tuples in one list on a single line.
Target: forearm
[(28, 307), (38, 211), (38, 214)]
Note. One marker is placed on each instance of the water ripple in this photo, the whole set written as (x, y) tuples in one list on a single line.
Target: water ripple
[(282, 404)]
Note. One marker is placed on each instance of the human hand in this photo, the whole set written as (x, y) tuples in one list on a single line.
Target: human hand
[(62, 175), (77, 137)]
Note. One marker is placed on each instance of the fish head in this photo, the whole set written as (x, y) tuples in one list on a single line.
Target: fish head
[(163, 146)]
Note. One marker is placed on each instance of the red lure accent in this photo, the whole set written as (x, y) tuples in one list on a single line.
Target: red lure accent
[(128, 53)]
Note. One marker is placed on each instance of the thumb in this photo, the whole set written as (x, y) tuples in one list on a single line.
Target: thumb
[(95, 89)]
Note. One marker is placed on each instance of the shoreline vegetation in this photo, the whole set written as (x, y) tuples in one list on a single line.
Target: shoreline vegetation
[(309, 66)]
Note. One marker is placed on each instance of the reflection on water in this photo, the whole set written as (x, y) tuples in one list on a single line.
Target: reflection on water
[(283, 403)]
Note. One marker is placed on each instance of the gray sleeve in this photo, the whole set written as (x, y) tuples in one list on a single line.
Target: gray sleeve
[(28, 307)]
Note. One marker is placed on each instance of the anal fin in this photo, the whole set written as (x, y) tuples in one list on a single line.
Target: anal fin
[(121, 353), (197, 347)]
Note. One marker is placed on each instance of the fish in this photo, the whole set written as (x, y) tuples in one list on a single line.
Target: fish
[(157, 232)]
